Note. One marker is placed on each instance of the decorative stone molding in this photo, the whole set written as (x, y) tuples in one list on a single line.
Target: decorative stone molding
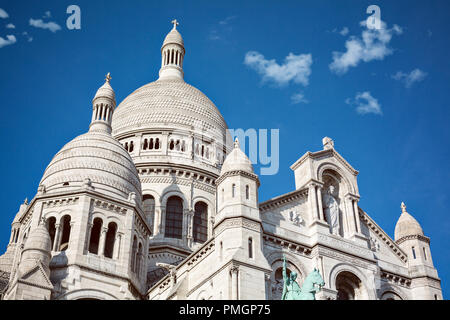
[(284, 243), (383, 236), (238, 173), (275, 203), (52, 203), (418, 236), (106, 205), (237, 222), (393, 278)]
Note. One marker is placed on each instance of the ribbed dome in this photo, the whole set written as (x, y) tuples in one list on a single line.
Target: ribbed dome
[(97, 156), (168, 102), (173, 37), (407, 225), (237, 160)]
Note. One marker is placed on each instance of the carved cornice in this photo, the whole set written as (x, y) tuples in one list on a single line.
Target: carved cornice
[(411, 237), (238, 173), (279, 201), (395, 278), (383, 236), (109, 206), (237, 222), (323, 154), (52, 203), (289, 244)]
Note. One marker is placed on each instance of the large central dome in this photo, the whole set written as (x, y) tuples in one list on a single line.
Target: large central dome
[(169, 101)]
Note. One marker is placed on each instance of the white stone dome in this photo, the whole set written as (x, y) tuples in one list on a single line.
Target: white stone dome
[(96, 156), (237, 160), (407, 225), (105, 91), (169, 102)]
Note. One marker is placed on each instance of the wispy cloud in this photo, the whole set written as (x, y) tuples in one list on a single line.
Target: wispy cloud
[(52, 26), (47, 14), (365, 103), (3, 14), (222, 30), (296, 68), (10, 26), (10, 39), (409, 79), (343, 32), (298, 98), (372, 45), (29, 38)]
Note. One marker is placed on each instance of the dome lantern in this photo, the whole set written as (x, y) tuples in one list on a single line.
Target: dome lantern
[(103, 106), (172, 54)]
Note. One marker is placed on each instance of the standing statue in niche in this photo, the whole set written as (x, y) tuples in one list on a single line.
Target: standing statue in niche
[(331, 209)]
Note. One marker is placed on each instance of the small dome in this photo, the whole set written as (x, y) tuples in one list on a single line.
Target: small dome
[(174, 37), (407, 225), (96, 156), (237, 160), (39, 239), (105, 91)]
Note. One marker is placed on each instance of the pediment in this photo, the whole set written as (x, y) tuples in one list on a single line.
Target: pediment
[(36, 276)]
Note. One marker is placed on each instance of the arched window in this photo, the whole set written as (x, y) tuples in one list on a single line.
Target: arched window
[(171, 145), (413, 252), (247, 192), (424, 254), (126, 146), (95, 235), (139, 260), (148, 202), (157, 143), (151, 144), (200, 231), (177, 145), (250, 247), (51, 227), (174, 217), (65, 233), (131, 146), (17, 235), (203, 151), (233, 190), (145, 144), (183, 146), (110, 239), (133, 254)]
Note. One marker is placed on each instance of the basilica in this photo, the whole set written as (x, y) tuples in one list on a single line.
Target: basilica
[(156, 201)]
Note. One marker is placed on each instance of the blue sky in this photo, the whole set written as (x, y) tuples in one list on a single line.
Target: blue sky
[(384, 100)]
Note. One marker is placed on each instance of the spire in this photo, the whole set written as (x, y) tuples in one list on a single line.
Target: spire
[(236, 143), (403, 206), (172, 54), (103, 106)]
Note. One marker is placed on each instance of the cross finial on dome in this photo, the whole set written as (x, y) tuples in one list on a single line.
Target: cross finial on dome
[(403, 206), (108, 77), (175, 23), (236, 143)]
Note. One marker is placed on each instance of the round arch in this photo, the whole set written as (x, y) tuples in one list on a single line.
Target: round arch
[(332, 167), (341, 268), (87, 294)]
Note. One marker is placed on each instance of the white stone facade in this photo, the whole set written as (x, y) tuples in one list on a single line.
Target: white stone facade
[(154, 202)]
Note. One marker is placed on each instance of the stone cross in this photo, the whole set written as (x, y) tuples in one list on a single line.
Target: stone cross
[(175, 23), (108, 77), (403, 206)]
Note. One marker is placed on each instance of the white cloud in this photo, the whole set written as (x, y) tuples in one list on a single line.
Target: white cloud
[(296, 68), (10, 26), (298, 98), (10, 39), (227, 20), (52, 26), (409, 79), (47, 14), (372, 45), (344, 31), (3, 14), (365, 103)]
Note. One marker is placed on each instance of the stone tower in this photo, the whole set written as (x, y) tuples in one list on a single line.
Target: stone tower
[(425, 283)]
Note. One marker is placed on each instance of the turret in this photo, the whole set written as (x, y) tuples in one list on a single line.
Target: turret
[(410, 237), (238, 228)]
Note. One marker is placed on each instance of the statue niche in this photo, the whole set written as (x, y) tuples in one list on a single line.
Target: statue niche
[(331, 203)]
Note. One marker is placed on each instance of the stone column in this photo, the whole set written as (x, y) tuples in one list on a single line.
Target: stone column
[(268, 286), (313, 202), (101, 245), (88, 237), (117, 243), (234, 270), (356, 213), (320, 205), (187, 226), (56, 241), (350, 216), (157, 221)]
